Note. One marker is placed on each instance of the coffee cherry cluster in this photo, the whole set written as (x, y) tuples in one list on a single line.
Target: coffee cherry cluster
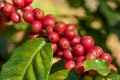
[(65, 41)]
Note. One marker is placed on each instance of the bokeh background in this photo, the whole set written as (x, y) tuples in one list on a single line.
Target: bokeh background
[(98, 18)]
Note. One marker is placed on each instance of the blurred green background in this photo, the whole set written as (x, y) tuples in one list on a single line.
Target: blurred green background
[(98, 18)]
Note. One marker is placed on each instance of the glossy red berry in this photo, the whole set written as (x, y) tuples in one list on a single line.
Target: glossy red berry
[(70, 34), (39, 15), (27, 8), (93, 72), (80, 59), (36, 26), (28, 16), (70, 65), (75, 40), (67, 54), (64, 43), (60, 28), (49, 29), (35, 10), (48, 21), (78, 50), (99, 50), (15, 17), (59, 53), (28, 2), (53, 37), (50, 16), (107, 57), (33, 35), (70, 26), (2, 4), (54, 47), (79, 69), (8, 8), (87, 42), (90, 57), (93, 51), (18, 3)]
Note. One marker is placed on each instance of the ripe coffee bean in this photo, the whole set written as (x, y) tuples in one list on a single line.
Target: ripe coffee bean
[(49, 29), (78, 50), (53, 37), (70, 27), (67, 54), (39, 15), (79, 69), (28, 16), (75, 40), (99, 50), (48, 21), (64, 43), (93, 72), (8, 8), (59, 53), (15, 17), (107, 57), (2, 4), (33, 35), (70, 65), (27, 8), (60, 28), (80, 59), (54, 47), (90, 57), (35, 10), (93, 51), (36, 26), (28, 2), (50, 16), (70, 34), (18, 3), (87, 42)]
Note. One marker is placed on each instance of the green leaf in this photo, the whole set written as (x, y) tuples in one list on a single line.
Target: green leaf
[(29, 61), (64, 75), (97, 64), (115, 77)]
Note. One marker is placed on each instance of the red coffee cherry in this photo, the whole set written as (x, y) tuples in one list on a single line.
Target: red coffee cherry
[(70, 27), (28, 16), (80, 59), (60, 28), (75, 40), (35, 10), (64, 43), (93, 73), (78, 50), (79, 69), (18, 3), (39, 15), (53, 37), (8, 8), (70, 65), (59, 53), (36, 26), (90, 56), (67, 54), (70, 34), (54, 47), (49, 29), (33, 35), (15, 17), (48, 21), (87, 42), (51, 16), (27, 8), (28, 2), (107, 57), (2, 4), (99, 50)]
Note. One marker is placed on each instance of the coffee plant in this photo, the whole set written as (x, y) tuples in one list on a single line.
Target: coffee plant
[(80, 58)]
